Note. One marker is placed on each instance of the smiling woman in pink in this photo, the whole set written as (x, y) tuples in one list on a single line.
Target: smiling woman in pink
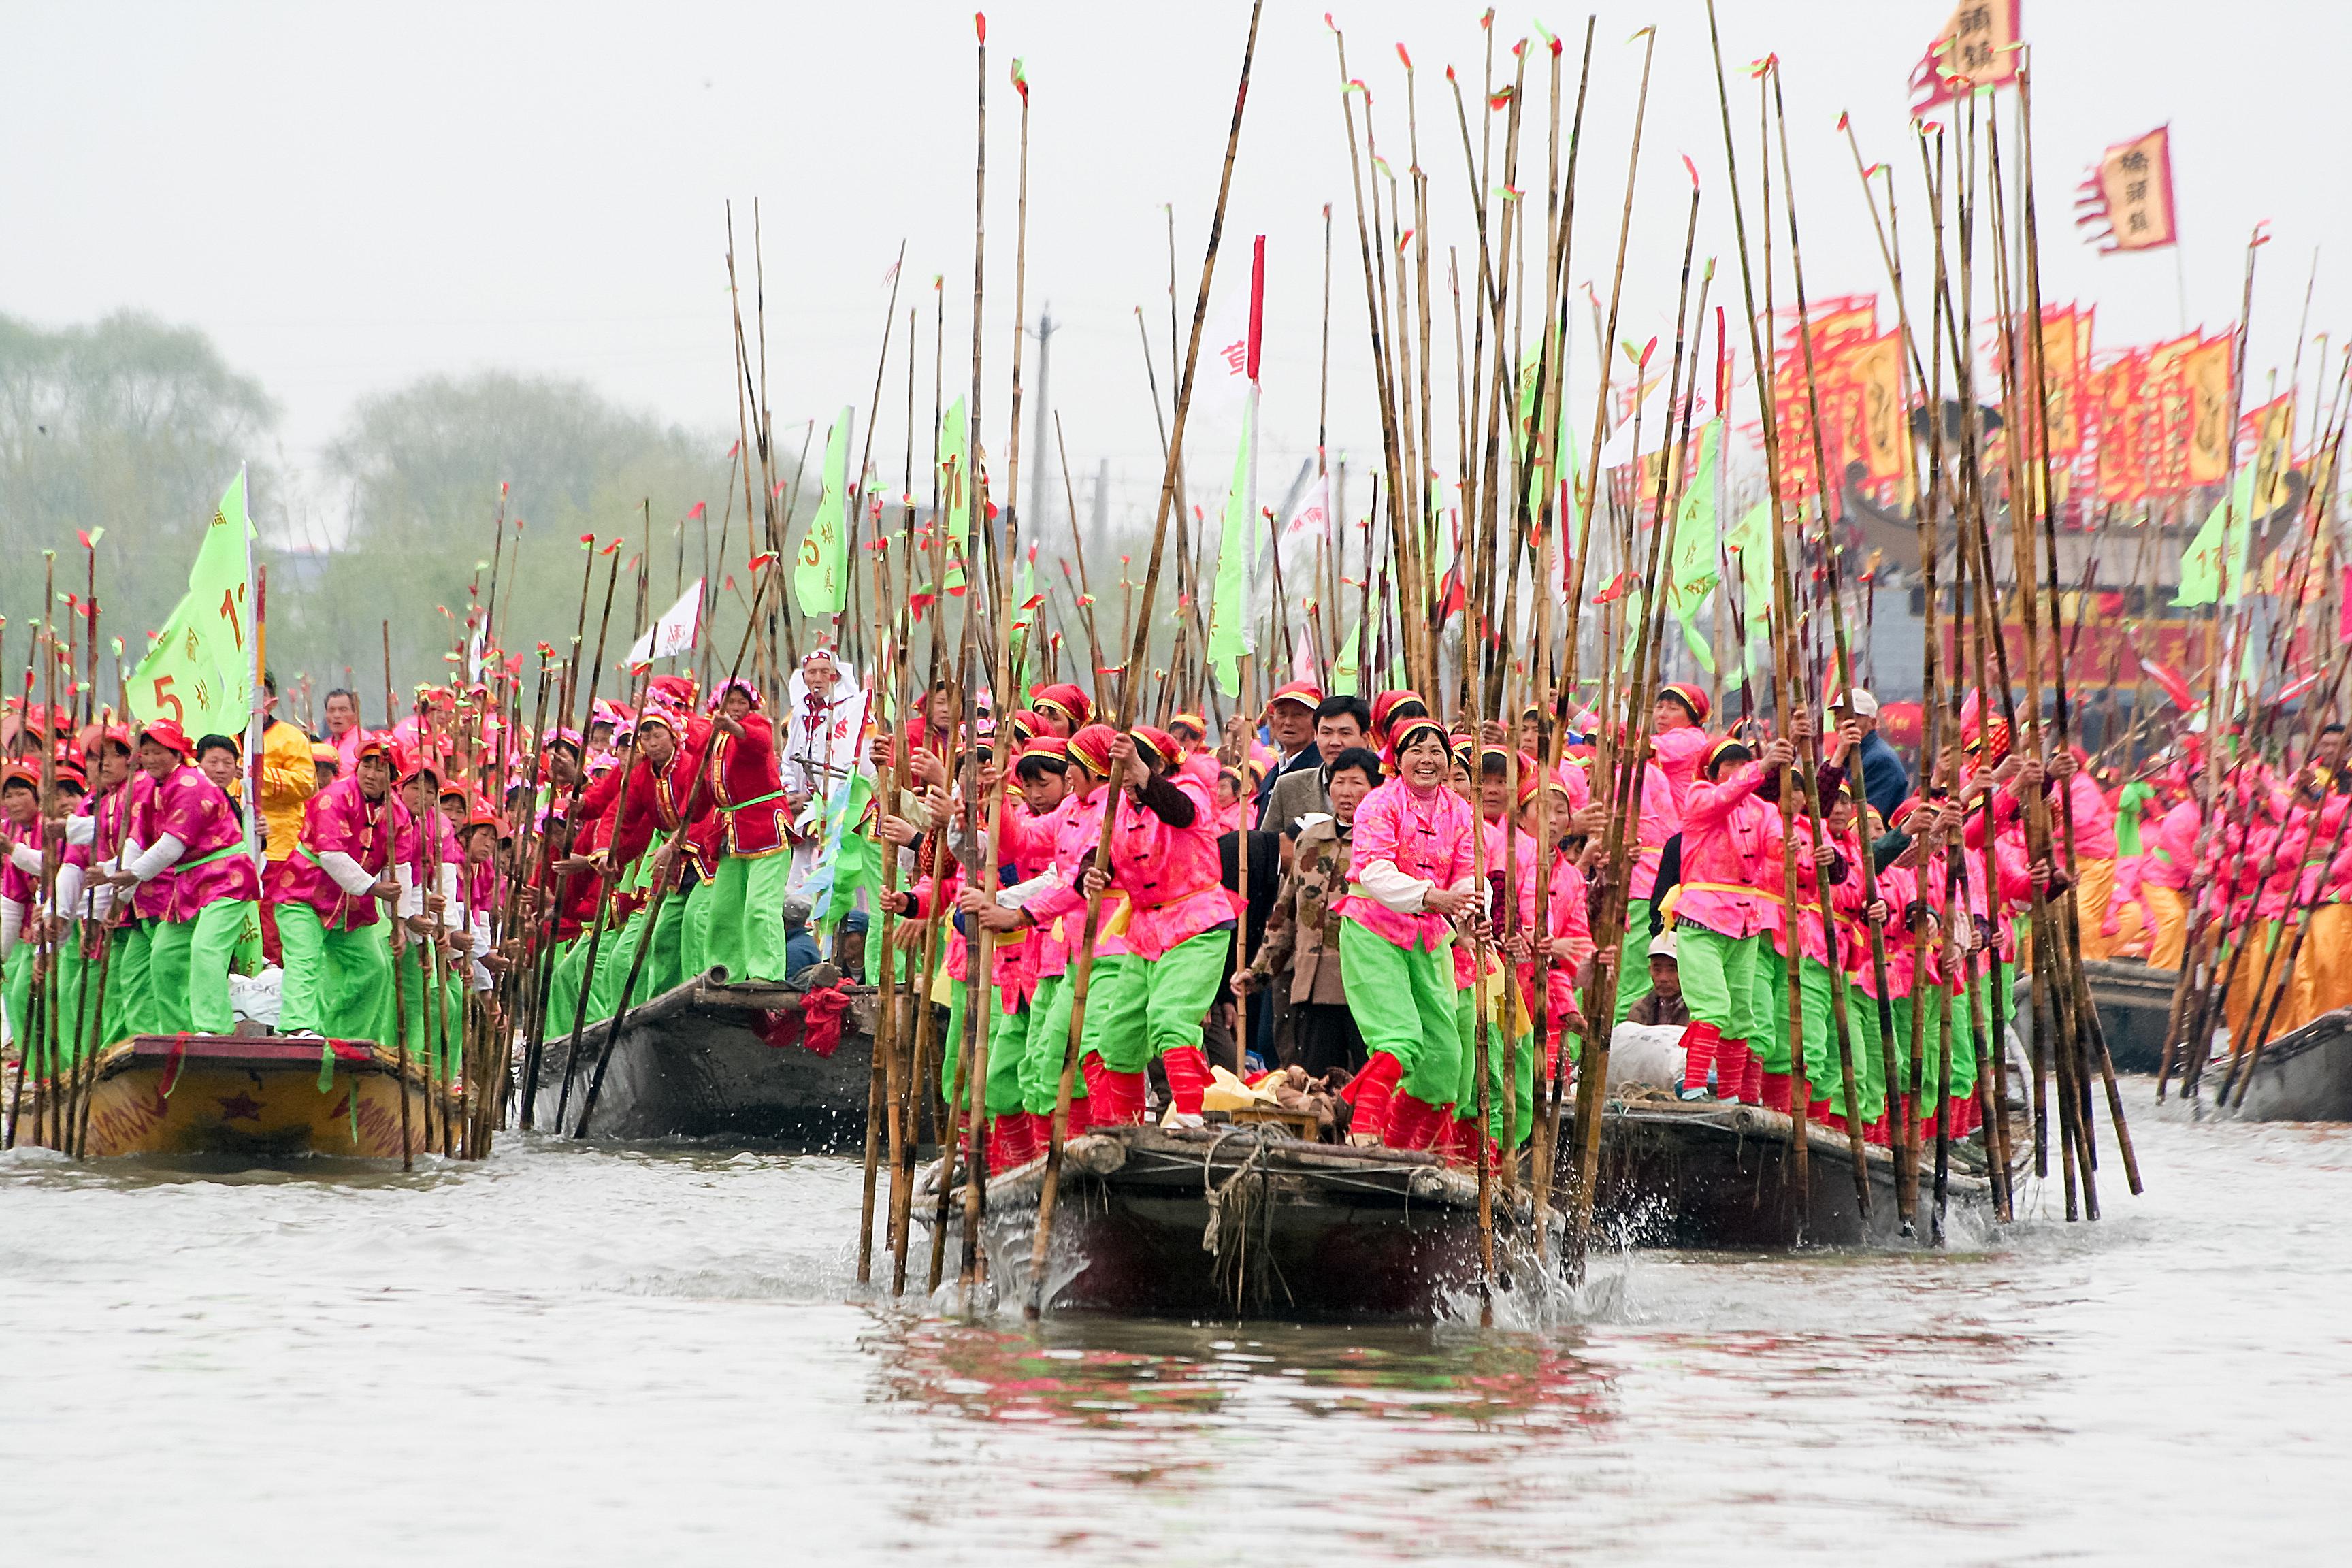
[(1409, 873)]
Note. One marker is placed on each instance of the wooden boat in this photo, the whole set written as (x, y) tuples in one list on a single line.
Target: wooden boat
[(1707, 1174), (695, 1062), (2305, 1076), (2135, 1004), (1152, 1222), (262, 1099)]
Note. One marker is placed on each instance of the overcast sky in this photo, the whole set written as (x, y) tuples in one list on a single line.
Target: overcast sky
[(347, 196)]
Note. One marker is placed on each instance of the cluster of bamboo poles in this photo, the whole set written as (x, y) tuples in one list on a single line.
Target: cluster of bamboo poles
[(59, 1058)]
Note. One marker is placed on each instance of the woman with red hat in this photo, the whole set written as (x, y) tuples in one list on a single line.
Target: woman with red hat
[(1678, 737), (345, 866), (196, 885), (657, 803), (20, 889), (1410, 876), (736, 917), (1165, 894), (1724, 915), (1056, 916)]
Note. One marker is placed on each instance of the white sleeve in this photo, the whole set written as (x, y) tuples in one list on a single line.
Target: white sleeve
[(1018, 895), (346, 872), (411, 903), (81, 830), (27, 858), (1391, 887), (453, 914), (12, 925), (69, 889), (154, 862)]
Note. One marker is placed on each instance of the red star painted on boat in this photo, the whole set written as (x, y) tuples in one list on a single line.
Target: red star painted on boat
[(239, 1107)]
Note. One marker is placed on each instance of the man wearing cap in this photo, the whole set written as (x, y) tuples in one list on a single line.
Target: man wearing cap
[(338, 964), (195, 886), (1290, 720), (1342, 720), (1884, 781)]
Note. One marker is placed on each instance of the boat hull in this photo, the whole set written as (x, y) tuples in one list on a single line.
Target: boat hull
[(2135, 1004), (695, 1062), (1718, 1176), (1152, 1223), (261, 1100), (2302, 1077)]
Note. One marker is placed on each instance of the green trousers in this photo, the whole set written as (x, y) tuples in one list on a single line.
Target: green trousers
[(1727, 982), (126, 982), (1522, 1053), (1634, 966), (664, 959), (16, 992), (1049, 1039), (563, 984), (1157, 1005), (746, 916), (336, 981), (1404, 1003), (194, 959)]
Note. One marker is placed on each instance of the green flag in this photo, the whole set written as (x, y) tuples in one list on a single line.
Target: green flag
[(199, 673), (1693, 573), (1229, 605), (2213, 563), (1345, 675), (1751, 544), (820, 584), (956, 486)]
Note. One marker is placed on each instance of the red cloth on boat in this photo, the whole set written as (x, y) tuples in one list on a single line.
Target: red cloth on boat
[(816, 1027)]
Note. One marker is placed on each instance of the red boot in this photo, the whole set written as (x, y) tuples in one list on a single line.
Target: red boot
[(1773, 1092), (1188, 1078), (1127, 1098), (1371, 1093), (1699, 1041), (1731, 1068), (1751, 1084), (1413, 1123)]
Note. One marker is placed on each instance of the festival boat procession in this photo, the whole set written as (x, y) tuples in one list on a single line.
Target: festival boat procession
[(1713, 768)]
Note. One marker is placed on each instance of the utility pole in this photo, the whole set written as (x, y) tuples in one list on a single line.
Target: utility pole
[(1045, 327)]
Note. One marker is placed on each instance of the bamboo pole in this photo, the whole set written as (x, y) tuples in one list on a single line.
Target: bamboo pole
[(1041, 1250)]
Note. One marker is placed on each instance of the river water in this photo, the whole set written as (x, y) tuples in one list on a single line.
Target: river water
[(590, 1356)]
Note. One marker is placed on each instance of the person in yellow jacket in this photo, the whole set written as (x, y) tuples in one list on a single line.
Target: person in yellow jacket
[(289, 778)]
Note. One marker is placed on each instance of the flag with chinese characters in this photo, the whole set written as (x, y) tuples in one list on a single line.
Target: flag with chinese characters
[(2130, 192), (1977, 47), (2205, 372), (199, 673), (819, 576), (2213, 563)]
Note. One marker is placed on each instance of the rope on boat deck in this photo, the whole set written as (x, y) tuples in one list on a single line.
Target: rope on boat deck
[(1235, 1206)]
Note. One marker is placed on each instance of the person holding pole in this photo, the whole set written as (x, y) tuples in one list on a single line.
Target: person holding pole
[(1410, 876), (194, 878), (337, 966)]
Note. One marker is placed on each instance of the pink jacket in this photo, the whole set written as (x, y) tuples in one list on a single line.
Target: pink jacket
[(1679, 753), (2173, 854), (338, 819), (1730, 844), (2094, 820), (1174, 886), (1426, 838), (1059, 913), (213, 864)]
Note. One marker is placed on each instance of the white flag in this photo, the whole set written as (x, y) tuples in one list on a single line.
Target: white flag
[(675, 632)]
